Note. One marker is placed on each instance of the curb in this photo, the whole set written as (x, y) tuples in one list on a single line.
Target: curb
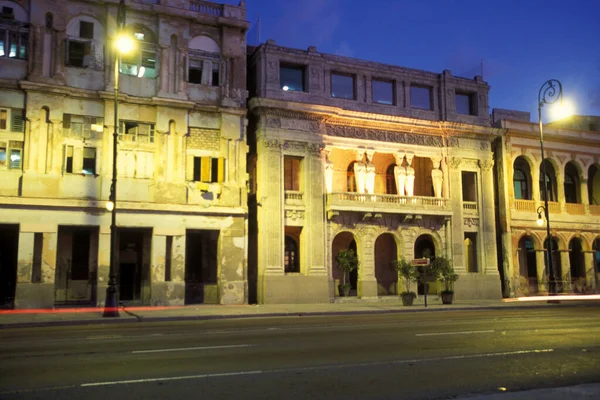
[(133, 318)]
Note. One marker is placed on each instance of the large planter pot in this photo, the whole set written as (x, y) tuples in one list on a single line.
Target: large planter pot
[(447, 297), (344, 290), (408, 298)]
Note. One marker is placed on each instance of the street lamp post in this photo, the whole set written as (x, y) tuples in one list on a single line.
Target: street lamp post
[(550, 92), (123, 44)]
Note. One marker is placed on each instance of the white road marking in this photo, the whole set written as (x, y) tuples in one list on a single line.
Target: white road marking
[(191, 348), (453, 333), (319, 368), (104, 337)]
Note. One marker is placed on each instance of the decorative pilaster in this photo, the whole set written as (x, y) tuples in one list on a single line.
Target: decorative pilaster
[(487, 216)]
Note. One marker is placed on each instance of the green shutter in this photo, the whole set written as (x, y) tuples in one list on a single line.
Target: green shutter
[(17, 123)]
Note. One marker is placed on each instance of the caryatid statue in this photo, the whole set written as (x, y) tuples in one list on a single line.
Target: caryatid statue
[(409, 184), (437, 176), (370, 173), (400, 173), (328, 170)]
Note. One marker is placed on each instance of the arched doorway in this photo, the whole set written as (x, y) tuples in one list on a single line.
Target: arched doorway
[(424, 247), (556, 264), (385, 254), (342, 241), (527, 265), (577, 265)]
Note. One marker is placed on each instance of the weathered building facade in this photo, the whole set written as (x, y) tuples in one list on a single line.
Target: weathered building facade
[(389, 161), (572, 160), (182, 181)]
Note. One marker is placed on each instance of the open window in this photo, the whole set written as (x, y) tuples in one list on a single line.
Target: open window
[(204, 62), (14, 32), (85, 43), (132, 131), (142, 61), (83, 126)]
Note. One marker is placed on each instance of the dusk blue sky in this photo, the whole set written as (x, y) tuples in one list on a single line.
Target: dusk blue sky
[(522, 42)]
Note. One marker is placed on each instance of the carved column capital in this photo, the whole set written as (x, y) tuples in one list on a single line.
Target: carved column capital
[(486, 165), (454, 162)]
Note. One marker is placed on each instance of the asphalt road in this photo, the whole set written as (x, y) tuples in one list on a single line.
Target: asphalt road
[(427, 355)]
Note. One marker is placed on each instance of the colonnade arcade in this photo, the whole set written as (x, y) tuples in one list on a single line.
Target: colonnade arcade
[(575, 259)]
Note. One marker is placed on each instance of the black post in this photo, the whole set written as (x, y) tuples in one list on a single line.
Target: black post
[(549, 93), (111, 304)]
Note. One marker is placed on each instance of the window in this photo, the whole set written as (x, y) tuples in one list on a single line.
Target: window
[(3, 119), (390, 180), (203, 68), (551, 194), (342, 86), (2, 154), (469, 186), (168, 258), (141, 62), (82, 126), (69, 153), (17, 122), (420, 97), (15, 158), (291, 78), (383, 92), (86, 30), (10, 154), (291, 258), (7, 13), (89, 161), (521, 185), (14, 43), (80, 52), (465, 104), (130, 131), (471, 251), (291, 170), (208, 169)]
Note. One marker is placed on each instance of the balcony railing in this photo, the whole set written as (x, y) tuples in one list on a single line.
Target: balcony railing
[(525, 205), (594, 209), (575, 209), (214, 10), (292, 196), (470, 207), (554, 207), (387, 202)]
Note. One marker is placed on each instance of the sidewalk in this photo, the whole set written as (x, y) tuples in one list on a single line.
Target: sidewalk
[(83, 316)]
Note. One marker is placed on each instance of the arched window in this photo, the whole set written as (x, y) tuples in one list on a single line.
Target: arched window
[(291, 257), (14, 31), (85, 43), (550, 181), (204, 61), (390, 180), (142, 61), (350, 179), (49, 22), (571, 184), (521, 185)]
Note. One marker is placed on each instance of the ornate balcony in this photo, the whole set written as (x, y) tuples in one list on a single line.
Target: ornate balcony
[(575, 209), (525, 205), (470, 207), (388, 203)]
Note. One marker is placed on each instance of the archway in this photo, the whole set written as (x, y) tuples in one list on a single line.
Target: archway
[(527, 264), (424, 247), (577, 265), (344, 240), (556, 264), (385, 254), (522, 179)]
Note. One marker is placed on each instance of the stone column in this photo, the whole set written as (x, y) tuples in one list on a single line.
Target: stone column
[(590, 273), (367, 284), (54, 147), (103, 261), (540, 263), (560, 183), (159, 292), (315, 239), (457, 243), (565, 271), (24, 269), (488, 218)]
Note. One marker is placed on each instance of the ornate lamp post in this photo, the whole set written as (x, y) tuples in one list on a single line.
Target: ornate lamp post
[(123, 45), (550, 93)]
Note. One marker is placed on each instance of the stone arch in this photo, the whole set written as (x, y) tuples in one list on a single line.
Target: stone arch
[(344, 239), (386, 252), (82, 50), (435, 237), (204, 43), (21, 15)]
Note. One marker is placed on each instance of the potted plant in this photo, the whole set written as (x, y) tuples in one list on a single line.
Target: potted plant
[(444, 270), (410, 274), (347, 261)]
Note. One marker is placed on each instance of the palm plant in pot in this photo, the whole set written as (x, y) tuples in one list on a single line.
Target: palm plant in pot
[(347, 261), (410, 274), (444, 271)]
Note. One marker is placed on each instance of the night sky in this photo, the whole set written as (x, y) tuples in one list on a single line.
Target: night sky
[(522, 43)]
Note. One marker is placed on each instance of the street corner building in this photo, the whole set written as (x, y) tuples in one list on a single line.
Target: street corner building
[(350, 154), (182, 182), (572, 172)]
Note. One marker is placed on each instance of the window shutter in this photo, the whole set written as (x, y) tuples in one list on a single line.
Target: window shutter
[(221, 177), (66, 121), (17, 121), (205, 169)]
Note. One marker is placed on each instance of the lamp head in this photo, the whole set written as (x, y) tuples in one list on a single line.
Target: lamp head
[(540, 220), (110, 205), (562, 109), (124, 43)]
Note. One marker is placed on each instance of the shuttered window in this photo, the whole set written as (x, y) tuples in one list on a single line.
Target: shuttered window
[(208, 169), (291, 169)]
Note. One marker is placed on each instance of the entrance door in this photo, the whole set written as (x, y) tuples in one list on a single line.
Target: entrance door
[(9, 243), (424, 247), (131, 243), (201, 267)]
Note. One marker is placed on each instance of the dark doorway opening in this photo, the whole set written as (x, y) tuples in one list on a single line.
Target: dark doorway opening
[(527, 265), (201, 270), (9, 245), (134, 265), (424, 248)]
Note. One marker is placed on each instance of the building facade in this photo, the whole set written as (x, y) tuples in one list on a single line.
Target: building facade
[(571, 164), (182, 181), (389, 161)]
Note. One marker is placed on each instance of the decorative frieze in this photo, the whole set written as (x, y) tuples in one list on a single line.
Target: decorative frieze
[(383, 136), (471, 222)]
